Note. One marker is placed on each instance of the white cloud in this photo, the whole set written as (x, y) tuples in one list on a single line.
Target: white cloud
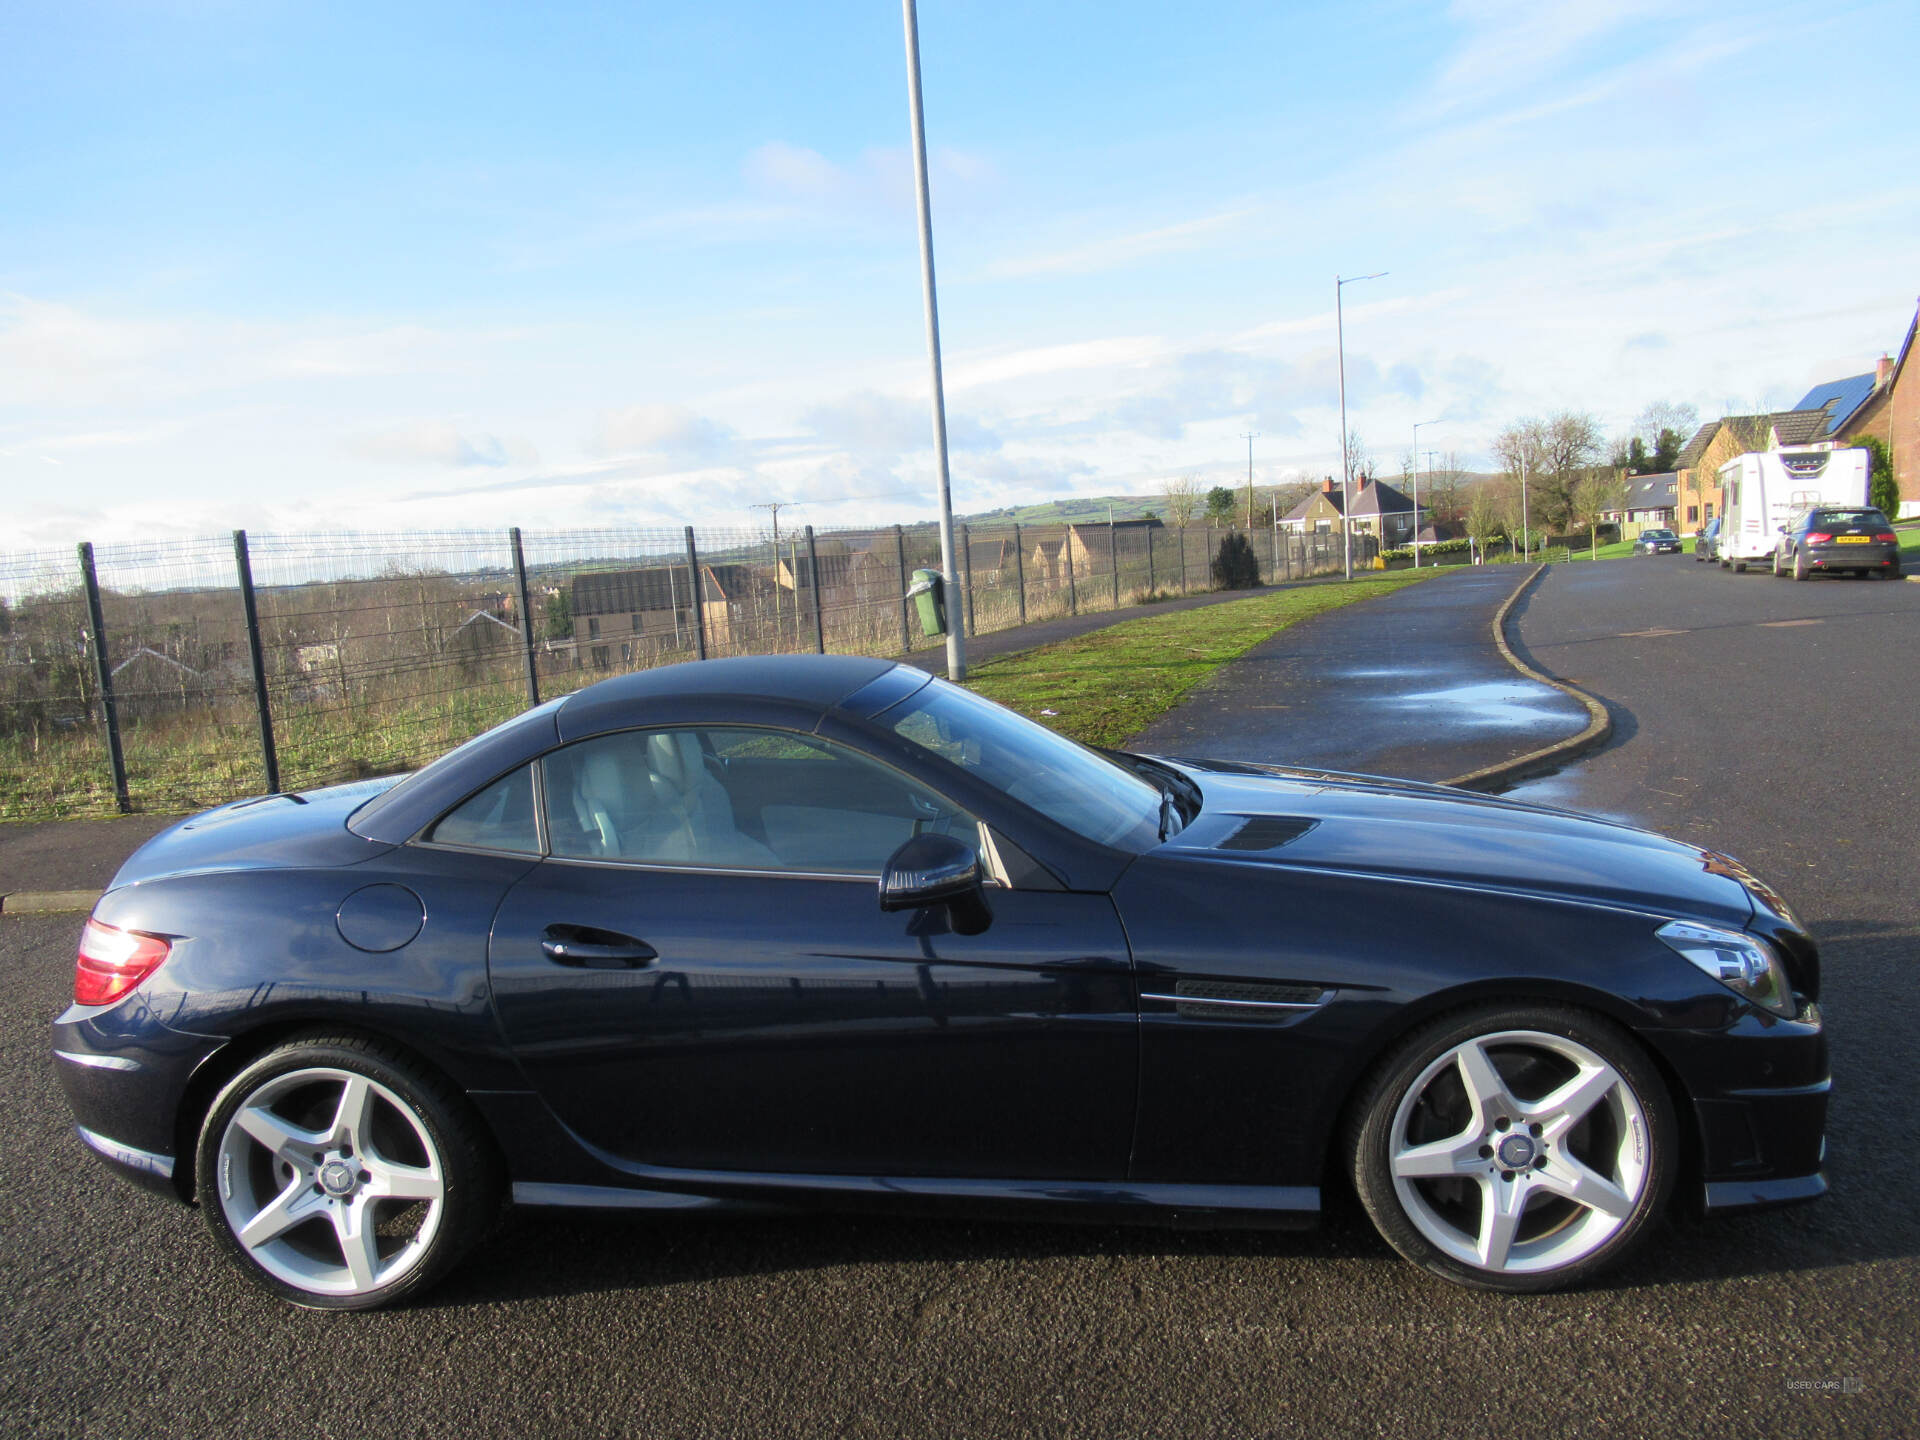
[(1113, 252), (441, 443), (659, 429)]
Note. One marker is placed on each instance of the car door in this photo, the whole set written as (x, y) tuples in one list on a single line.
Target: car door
[(698, 975)]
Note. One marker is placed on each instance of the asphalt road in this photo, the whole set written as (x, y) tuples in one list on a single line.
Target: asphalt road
[(1408, 684), (1786, 745)]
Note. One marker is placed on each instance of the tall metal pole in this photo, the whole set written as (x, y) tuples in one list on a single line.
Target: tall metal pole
[(699, 608), (1416, 488), (1346, 461), (1526, 539), (956, 636), (1250, 438)]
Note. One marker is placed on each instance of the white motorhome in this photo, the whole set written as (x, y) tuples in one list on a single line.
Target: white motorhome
[(1761, 492)]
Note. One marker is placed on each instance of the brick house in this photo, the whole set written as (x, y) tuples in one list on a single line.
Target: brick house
[(1891, 413), (1087, 548), (1378, 509), (1697, 492)]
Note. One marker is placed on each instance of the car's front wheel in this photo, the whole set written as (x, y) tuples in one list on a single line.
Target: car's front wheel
[(342, 1174), (1515, 1148)]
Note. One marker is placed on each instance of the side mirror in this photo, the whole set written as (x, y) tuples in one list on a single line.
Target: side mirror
[(937, 870)]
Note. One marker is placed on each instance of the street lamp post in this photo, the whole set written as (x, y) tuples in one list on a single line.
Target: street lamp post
[(950, 581), (1416, 488), (1346, 467)]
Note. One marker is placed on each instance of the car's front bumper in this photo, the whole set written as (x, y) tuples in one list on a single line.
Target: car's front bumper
[(1759, 1089)]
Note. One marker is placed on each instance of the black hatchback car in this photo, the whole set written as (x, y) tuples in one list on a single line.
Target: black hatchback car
[(1859, 539), (1657, 542), (824, 932)]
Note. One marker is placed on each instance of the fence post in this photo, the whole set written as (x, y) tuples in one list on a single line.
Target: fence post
[(526, 615), (1020, 573), (813, 574), (699, 605), (1113, 559), (906, 626), (1149, 559), (1073, 591), (1183, 559), (1207, 554), (243, 565), (103, 672), (966, 566)]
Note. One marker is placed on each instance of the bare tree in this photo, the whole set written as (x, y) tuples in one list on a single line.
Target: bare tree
[(1359, 461), (1183, 500)]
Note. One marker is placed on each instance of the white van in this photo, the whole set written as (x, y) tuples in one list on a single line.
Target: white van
[(1760, 492)]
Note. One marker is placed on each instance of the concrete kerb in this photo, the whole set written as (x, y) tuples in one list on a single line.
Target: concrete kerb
[(47, 902), (1551, 757)]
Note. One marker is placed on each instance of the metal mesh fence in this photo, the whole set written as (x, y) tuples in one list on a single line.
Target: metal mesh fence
[(377, 651)]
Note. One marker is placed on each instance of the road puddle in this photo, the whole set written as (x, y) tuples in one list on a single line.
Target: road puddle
[(1505, 703)]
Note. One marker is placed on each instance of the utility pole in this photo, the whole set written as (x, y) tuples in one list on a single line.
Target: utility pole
[(956, 637), (776, 506), (1346, 462), (1250, 438)]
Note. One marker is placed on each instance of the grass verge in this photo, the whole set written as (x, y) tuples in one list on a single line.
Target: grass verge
[(1102, 687)]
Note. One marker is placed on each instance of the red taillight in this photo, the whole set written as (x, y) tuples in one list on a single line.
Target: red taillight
[(1818, 537), (113, 961), (1887, 537)]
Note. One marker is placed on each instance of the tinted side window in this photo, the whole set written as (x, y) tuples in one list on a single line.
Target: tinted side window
[(500, 817), (736, 798)]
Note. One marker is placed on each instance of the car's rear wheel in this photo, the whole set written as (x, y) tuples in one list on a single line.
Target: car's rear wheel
[(342, 1174), (1800, 570), (1778, 573), (1515, 1148)]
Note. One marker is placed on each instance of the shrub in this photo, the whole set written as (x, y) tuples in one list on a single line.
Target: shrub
[(1236, 567), (1883, 491)]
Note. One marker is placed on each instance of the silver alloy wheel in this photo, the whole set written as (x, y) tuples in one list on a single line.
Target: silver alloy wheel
[(1555, 1176), (330, 1181)]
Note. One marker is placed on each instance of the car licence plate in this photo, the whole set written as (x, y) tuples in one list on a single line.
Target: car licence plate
[(1851, 539)]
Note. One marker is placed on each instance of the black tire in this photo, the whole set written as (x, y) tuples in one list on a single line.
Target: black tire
[(404, 1186), (1800, 570), (1627, 1136), (1778, 573)]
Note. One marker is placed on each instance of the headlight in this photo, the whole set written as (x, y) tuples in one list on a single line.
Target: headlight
[(1746, 966)]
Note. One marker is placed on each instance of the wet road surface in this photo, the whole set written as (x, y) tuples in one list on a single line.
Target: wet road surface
[(1408, 684)]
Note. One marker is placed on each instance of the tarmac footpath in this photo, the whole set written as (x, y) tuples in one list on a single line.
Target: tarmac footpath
[(1418, 684)]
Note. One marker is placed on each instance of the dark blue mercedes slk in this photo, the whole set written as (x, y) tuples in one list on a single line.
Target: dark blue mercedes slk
[(824, 932)]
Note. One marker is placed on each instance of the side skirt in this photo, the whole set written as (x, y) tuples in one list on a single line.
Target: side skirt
[(1071, 1201)]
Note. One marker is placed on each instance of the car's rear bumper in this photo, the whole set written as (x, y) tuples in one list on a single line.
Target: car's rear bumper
[(124, 1074), (1854, 557)]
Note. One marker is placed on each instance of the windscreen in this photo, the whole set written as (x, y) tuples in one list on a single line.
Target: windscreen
[(1062, 780)]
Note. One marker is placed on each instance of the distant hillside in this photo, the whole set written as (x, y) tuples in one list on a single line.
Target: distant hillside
[(1074, 510)]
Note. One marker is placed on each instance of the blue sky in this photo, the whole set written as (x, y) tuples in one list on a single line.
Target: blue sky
[(380, 266)]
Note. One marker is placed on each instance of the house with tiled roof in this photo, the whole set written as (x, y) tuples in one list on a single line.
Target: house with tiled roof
[(1697, 497), (1892, 415), (1378, 509), (1647, 501)]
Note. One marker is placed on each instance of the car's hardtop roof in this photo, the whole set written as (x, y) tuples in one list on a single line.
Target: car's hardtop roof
[(807, 682), (792, 691)]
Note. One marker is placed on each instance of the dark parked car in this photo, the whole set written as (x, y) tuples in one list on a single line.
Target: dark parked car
[(809, 932), (1706, 541), (1656, 542), (1853, 538)]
